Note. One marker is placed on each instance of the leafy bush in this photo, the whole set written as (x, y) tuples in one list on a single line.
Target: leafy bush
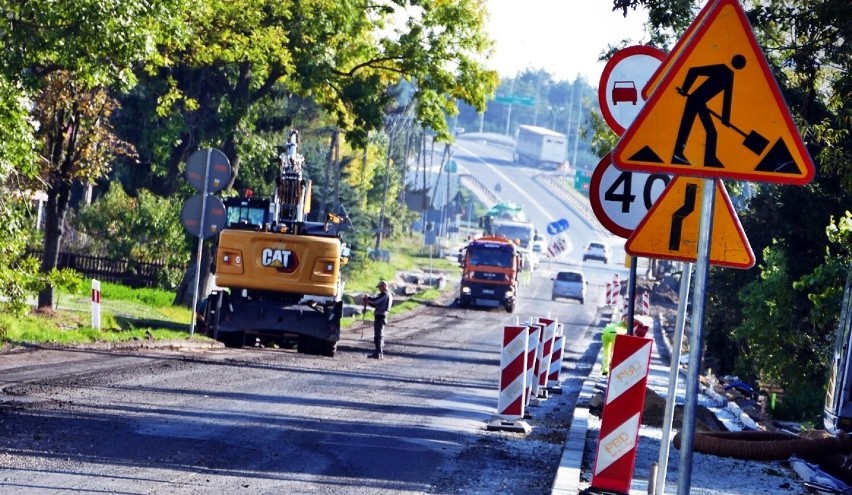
[(146, 228)]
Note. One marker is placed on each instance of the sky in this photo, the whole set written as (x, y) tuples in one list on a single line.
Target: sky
[(563, 37)]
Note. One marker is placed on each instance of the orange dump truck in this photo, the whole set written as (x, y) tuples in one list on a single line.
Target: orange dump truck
[(490, 270)]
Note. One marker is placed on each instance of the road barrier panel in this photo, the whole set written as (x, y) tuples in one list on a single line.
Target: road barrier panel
[(622, 415), (554, 378), (545, 355), (535, 331), (513, 371)]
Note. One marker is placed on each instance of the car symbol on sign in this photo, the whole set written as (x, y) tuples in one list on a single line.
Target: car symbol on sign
[(624, 91)]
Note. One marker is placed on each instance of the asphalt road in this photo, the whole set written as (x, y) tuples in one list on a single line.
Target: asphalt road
[(201, 420), (197, 421)]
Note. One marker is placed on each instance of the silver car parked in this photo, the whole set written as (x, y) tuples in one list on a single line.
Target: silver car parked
[(570, 284)]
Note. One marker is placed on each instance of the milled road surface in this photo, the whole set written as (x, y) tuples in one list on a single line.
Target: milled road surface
[(255, 421)]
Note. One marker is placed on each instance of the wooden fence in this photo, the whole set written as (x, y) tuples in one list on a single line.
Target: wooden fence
[(134, 274)]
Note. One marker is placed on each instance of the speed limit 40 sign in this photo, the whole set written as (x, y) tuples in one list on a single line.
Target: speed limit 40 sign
[(621, 199)]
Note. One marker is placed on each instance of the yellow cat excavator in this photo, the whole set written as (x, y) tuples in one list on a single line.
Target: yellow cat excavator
[(277, 275)]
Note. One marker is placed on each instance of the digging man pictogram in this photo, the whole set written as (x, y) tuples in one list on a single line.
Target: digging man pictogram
[(718, 78)]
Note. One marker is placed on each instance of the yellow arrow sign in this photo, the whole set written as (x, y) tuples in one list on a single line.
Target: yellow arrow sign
[(717, 111), (670, 229)]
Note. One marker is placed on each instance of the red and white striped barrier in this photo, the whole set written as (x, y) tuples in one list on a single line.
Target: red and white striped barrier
[(608, 293), (625, 308), (545, 350), (513, 380), (646, 304), (96, 304), (641, 325), (557, 248), (513, 369), (622, 414), (532, 353), (554, 378)]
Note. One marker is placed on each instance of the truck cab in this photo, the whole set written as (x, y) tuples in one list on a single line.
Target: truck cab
[(490, 272)]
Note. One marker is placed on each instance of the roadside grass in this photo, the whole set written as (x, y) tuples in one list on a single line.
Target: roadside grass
[(148, 314)]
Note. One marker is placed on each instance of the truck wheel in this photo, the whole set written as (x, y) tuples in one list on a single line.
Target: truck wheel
[(510, 307), (307, 345), (327, 348), (234, 340)]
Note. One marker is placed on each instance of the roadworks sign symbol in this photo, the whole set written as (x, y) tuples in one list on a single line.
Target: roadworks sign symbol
[(670, 229), (717, 112)]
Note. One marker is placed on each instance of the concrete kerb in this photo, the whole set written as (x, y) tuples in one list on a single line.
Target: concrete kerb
[(567, 479)]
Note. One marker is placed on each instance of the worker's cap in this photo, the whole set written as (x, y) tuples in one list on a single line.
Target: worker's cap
[(381, 283)]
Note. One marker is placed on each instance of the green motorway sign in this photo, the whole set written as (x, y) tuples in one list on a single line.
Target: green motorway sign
[(582, 181), (526, 101)]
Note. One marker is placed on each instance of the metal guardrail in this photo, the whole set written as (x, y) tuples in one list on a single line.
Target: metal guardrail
[(479, 189), (548, 181), (572, 197)]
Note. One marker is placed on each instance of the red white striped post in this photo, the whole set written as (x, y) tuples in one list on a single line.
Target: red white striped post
[(545, 350), (532, 353), (622, 414), (625, 307), (646, 304), (513, 373), (513, 368), (554, 377), (608, 293), (96, 304)]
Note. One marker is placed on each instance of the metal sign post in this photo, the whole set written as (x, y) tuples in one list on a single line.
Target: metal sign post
[(674, 373), (204, 194), (209, 171), (702, 271)]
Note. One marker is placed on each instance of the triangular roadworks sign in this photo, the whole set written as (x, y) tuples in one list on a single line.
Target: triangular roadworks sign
[(670, 229), (717, 112)]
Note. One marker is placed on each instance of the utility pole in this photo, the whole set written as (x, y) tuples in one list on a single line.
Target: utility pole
[(388, 161), (509, 112), (335, 143), (577, 135), (408, 138), (537, 98), (568, 124)]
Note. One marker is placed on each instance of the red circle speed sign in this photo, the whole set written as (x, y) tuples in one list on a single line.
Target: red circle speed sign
[(621, 199)]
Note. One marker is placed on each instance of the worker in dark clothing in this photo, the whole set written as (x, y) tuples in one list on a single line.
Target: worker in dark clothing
[(715, 79), (382, 302)]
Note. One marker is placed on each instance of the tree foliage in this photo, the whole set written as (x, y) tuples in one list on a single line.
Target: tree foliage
[(146, 228)]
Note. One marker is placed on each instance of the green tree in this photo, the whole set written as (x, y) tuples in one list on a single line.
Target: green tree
[(146, 228), (344, 58), (68, 56)]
